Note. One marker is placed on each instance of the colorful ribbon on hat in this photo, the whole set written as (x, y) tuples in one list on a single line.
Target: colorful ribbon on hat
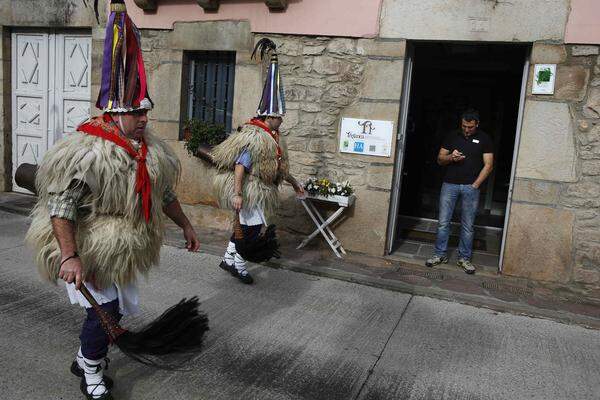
[(124, 83)]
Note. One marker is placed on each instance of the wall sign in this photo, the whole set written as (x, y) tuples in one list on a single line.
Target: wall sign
[(366, 136), (544, 76)]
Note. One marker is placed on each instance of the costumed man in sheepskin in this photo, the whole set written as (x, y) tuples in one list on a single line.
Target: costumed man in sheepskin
[(252, 163), (103, 195)]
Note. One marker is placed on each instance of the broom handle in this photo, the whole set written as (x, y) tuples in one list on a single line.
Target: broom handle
[(238, 234), (111, 327), (88, 296)]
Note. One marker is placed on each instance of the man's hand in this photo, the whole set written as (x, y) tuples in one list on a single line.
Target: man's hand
[(297, 186), (191, 239), (237, 203), (299, 190), (457, 156), (174, 211), (71, 271)]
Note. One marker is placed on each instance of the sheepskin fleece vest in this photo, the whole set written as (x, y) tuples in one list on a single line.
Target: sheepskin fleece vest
[(114, 241), (261, 185)]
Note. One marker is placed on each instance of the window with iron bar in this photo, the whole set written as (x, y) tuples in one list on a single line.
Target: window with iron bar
[(211, 82)]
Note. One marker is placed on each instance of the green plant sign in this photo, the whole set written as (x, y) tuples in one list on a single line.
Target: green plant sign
[(201, 132), (544, 75)]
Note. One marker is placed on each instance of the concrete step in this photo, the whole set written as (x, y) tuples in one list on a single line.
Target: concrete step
[(487, 240), (418, 252)]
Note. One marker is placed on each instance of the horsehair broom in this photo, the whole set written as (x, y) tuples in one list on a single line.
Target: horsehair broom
[(263, 248), (179, 330)]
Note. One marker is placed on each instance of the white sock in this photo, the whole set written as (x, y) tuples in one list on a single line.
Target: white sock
[(79, 359), (94, 377), (230, 253), (240, 264)]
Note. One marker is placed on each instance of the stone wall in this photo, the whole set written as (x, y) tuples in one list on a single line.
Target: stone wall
[(553, 228), (166, 67), (325, 79), (475, 20), (49, 13)]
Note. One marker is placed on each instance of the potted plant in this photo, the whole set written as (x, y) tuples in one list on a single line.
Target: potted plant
[(200, 136), (326, 190)]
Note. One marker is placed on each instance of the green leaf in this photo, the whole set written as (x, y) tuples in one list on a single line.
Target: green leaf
[(202, 132), (544, 75)]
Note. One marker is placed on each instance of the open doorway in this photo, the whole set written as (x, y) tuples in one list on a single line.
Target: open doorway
[(446, 79)]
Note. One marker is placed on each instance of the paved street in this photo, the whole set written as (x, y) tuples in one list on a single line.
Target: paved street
[(293, 336)]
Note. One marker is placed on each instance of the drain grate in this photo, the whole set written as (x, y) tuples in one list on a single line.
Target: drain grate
[(490, 285), (424, 274)]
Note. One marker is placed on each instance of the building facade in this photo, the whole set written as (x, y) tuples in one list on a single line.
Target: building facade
[(412, 62)]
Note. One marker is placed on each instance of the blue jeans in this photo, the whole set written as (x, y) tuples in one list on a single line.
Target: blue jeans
[(469, 197)]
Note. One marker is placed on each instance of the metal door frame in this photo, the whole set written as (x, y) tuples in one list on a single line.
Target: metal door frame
[(400, 147), (522, 100)]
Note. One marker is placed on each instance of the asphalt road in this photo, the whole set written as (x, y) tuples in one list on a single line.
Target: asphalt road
[(292, 336)]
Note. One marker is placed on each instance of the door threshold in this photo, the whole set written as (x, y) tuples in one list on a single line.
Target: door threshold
[(419, 252)]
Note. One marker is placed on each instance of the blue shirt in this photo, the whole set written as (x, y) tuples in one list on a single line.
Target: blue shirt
[(245, 160)]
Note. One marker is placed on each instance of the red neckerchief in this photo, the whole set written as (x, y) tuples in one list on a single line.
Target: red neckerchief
[(105, 128), (273, 134)]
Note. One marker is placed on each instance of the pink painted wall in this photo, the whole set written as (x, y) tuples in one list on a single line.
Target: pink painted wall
[(584, 22), (352, 18)]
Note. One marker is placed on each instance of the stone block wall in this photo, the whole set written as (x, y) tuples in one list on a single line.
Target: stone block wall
[(475, 20), (49, 13), (327, 79), (554, 220), (324, 79), (164, 56)]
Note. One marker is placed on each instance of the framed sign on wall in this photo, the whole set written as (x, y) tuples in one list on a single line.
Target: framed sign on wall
[(544, 76), (366, 137)]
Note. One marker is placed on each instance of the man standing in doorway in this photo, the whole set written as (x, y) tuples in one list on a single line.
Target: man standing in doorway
[(468, 156)]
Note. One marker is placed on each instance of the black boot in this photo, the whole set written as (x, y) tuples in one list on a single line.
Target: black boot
[(244, 276), (229, 268)]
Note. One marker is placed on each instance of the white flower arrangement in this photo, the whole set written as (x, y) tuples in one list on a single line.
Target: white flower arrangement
[(326, 188)]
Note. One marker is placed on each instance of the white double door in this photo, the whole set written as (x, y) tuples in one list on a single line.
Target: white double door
[(51, 89)]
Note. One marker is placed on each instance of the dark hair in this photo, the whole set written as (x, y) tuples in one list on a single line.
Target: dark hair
[(470, 114)]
